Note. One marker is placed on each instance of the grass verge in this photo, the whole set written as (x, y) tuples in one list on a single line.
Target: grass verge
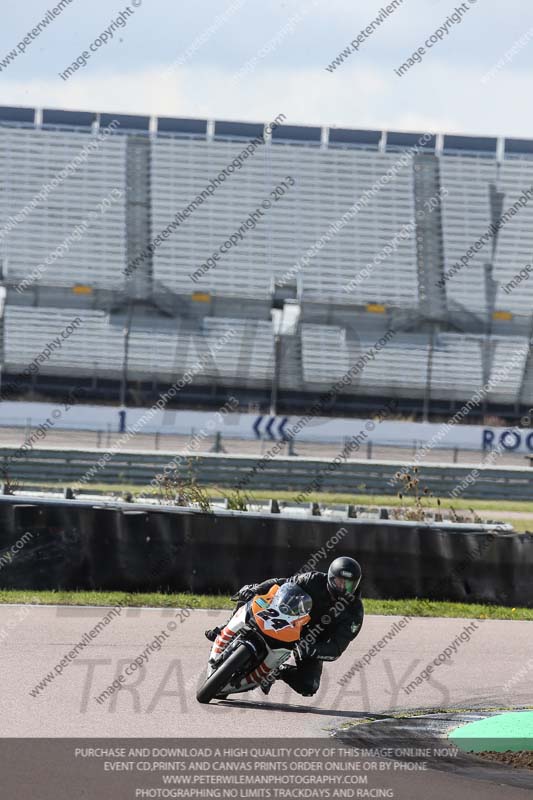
[(412, 608)]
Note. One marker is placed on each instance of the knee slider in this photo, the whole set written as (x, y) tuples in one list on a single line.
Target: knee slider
[(311, 688)]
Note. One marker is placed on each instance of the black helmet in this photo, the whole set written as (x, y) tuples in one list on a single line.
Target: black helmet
[(344, 576)]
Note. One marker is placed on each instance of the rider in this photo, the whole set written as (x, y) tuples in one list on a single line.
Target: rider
[(336, 619)]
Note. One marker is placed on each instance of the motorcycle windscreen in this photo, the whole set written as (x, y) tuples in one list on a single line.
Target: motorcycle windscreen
[(292, 601), (282, 612)]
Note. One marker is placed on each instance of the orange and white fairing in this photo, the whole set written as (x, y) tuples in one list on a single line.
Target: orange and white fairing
[(278, 616)]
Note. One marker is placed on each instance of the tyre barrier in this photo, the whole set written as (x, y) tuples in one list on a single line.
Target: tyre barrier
[(75, 544)]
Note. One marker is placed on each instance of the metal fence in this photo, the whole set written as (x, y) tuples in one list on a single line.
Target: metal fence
[(303, 476), (249, 448)]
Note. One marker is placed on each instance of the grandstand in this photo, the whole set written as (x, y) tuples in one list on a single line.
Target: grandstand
[(296, 326)]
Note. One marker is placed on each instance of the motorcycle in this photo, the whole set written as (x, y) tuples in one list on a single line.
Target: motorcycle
[(259, 637)]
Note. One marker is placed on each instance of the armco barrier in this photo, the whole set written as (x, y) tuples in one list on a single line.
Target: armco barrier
[(76, 544), (294, 474)]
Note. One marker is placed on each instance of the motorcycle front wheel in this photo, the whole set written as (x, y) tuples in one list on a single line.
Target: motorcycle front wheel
[(222, 676)]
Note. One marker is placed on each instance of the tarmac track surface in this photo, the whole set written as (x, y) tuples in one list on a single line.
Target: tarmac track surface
[(159, 699)]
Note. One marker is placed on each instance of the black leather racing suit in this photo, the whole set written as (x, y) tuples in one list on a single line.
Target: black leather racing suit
[(328, 633)]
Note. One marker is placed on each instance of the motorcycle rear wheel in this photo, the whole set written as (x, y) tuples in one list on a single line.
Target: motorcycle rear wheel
[(223, 675)]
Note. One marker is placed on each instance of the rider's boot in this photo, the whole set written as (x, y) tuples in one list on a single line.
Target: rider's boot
[(266, 686), (286, 673), (212, 633)]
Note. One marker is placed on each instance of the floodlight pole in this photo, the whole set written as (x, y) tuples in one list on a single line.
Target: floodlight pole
[(427, 393), (124, 379), (275, 379)]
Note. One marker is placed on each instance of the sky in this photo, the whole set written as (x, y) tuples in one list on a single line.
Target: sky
[(251, 60)]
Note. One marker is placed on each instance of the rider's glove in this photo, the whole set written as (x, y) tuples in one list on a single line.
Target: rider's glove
[(304, 650), (245, 593)]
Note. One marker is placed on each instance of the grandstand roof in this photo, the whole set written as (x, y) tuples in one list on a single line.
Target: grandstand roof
[(19, 116)]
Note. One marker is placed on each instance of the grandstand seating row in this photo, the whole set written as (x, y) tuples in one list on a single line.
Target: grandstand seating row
[(479, 192), (165, 349), (328, 181), (30, 161), (327, 184), (169, 170)]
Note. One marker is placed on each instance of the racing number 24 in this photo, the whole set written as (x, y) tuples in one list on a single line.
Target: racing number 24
[(271, 614)]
